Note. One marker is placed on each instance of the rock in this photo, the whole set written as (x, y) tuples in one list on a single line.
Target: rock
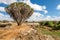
[(32, 34), (47, 37)]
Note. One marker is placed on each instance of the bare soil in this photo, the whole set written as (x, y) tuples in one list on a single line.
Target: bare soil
[(21, 32)]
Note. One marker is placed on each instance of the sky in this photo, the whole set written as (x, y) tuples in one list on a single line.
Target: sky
[(44, 10)]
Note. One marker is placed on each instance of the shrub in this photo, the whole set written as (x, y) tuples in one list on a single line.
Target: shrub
[(49, 23), (57, 27), (58, 22)]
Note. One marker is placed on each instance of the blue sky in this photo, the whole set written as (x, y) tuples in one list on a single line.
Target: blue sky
[(51, 6), (43, 9)]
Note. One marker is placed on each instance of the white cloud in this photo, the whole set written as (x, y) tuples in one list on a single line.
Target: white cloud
[(44, 7), (1, 14), (35, 16), (2, 9), (45, 11), (7, 1), (51, 18), (57, 18), (58, 7), (39, 17), (34, 6), (48, 18), (5, 17)]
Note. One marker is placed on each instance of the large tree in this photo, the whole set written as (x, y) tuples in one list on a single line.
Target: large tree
[(19, 11)]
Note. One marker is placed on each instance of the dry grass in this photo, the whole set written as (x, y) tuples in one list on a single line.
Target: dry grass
[(13, 31)]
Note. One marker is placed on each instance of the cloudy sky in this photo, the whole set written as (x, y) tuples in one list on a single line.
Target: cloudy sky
[(43, 9)]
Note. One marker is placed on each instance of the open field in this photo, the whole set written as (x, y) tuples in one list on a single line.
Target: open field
[(12, 31)]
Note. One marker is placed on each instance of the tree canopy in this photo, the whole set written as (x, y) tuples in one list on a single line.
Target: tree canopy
[(19, 11)]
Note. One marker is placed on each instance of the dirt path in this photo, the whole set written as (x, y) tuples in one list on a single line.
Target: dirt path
[(9, 34)]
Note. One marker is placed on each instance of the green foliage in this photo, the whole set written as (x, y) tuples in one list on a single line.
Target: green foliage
[(58, 22), (47, 23), (58, 26), (50, 24), (55, 25)]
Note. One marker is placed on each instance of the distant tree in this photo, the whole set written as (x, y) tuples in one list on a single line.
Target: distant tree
[(19, 11), (4, 21)]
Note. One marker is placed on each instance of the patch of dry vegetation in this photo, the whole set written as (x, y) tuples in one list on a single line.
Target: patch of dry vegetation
[(22, 32)]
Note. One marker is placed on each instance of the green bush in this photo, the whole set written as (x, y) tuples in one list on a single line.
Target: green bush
[(58, 22), (58, 27), (55, 25), (50, 23)]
